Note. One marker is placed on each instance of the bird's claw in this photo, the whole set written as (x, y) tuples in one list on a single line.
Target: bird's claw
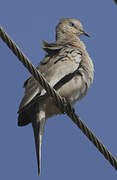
[(67, 106)]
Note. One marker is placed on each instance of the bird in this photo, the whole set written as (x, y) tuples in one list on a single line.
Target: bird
[(68, 68)]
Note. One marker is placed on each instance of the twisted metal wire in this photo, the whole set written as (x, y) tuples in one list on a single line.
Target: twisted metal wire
[(60, 102)]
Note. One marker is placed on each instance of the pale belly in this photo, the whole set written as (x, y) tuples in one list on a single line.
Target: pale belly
[(73, 91)]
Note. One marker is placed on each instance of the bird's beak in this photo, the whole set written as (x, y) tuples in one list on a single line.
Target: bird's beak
[(85, 33)]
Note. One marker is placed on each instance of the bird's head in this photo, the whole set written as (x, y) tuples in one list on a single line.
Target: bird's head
[(71, 26)]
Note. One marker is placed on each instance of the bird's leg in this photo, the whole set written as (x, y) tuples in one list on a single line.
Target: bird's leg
[(67, 105)]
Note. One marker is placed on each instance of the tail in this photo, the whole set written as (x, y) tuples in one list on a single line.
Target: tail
[(38, 129)]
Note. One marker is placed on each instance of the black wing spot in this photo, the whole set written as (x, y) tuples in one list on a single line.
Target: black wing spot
[(59, 59)]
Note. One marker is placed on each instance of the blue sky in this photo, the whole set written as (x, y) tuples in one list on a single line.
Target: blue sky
[(66, 152)]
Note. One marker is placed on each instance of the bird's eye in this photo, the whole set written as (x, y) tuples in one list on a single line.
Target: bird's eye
[(72, 24)]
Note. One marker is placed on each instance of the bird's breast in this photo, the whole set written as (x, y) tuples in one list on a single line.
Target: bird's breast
[(74, 90)]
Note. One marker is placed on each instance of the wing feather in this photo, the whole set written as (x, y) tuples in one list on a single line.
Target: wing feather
[(65, 62)]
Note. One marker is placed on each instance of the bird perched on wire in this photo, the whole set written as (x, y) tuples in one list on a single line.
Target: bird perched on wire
[(68, 68)]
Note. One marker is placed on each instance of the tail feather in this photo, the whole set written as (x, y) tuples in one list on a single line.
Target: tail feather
[(38, 129), (37, 116)]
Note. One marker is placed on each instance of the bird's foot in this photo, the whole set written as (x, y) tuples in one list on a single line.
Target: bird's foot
[(67, 106)]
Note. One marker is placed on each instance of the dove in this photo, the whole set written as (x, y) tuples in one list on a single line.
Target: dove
[(68, 69)]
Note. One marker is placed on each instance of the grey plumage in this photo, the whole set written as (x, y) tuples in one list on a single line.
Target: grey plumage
[(67, 67)]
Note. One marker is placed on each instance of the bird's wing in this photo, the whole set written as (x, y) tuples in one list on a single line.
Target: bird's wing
[(53, 68), (32, 88)]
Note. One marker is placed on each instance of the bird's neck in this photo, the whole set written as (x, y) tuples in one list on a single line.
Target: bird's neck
[(70, 39)]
